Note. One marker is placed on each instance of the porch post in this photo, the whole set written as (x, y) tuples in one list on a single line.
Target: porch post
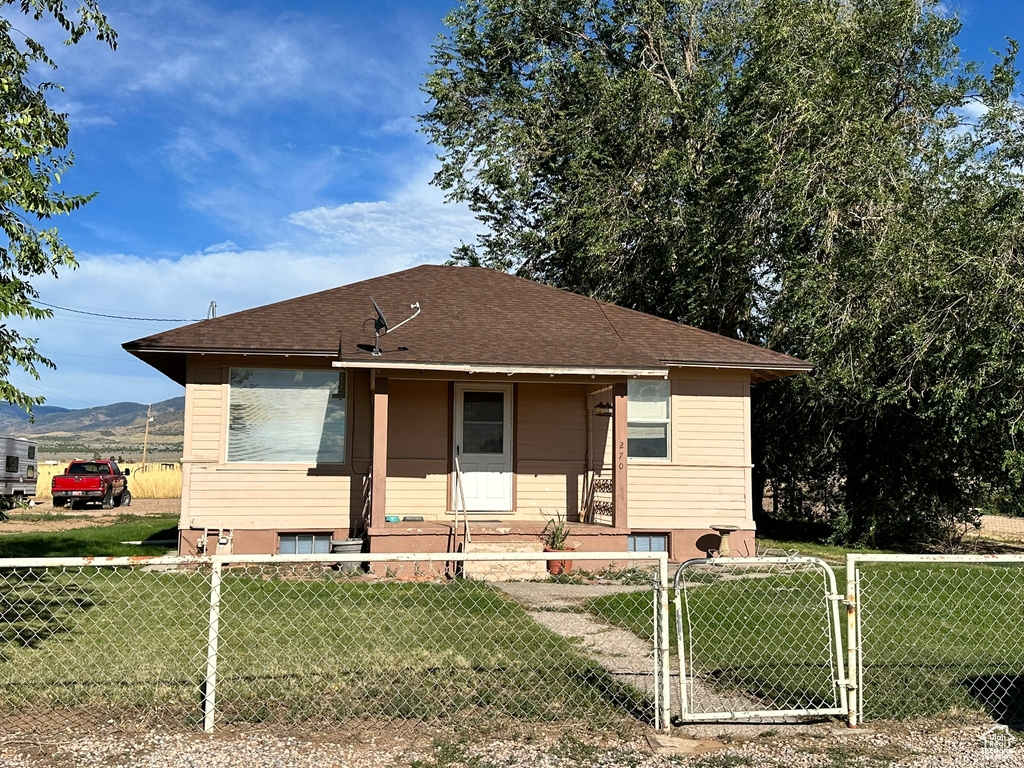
[(620, 443), (378, 488)]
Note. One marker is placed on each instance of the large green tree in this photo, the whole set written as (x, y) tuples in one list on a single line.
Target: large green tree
[(825, 177), (33, 157)]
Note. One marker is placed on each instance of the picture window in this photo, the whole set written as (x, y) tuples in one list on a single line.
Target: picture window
[(285, 416)]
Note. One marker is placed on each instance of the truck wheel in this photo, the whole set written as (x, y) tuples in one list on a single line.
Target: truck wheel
[(126, 498), (108, 500), (59, 501)]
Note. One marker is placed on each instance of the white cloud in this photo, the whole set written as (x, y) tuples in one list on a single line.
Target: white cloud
[(412, 225), (974, 109), (286, 132), (331, 246), (230, 59)]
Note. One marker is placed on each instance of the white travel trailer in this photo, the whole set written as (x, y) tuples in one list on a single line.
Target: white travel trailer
[(20, 470)]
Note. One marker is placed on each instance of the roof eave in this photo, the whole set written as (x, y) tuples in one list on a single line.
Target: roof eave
[(759, 372), (505, 369), (133, 348)]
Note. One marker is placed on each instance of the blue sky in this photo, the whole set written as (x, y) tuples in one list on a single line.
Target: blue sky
[(248, 152)]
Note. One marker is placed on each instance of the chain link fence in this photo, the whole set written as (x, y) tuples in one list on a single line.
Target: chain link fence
[(758, 639), (939, 635), (193, 642)]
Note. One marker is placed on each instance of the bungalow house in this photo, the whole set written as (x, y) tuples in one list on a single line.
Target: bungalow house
[(509, 399)]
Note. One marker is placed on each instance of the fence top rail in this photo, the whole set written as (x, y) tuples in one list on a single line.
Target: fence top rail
[(854, 558), (753, 561), (660, 558)]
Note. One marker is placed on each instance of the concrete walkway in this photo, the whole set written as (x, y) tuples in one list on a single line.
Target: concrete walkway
[(560, 608)]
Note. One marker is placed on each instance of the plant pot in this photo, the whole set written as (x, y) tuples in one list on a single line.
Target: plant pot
[(558, 567), (348, 547)]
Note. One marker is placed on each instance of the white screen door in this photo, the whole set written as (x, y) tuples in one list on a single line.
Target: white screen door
[(483, 445)]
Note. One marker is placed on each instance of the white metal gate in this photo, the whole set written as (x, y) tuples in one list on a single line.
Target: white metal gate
[(758, 638)]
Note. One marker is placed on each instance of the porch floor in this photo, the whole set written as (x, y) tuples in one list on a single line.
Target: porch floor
[(494, 527)]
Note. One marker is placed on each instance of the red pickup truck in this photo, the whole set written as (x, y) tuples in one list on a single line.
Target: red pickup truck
[(95, 480)]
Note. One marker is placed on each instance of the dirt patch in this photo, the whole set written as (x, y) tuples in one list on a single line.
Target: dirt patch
[(1002, 528), (43, 517)]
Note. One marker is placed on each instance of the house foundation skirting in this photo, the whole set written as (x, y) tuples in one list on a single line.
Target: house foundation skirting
[(444, 537)]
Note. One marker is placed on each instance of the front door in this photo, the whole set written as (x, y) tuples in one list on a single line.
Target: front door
[(483, 446)]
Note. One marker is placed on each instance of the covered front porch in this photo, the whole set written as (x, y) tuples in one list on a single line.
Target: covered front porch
[(495, 458)]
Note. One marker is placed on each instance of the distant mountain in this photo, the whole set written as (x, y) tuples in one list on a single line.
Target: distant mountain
[(168, 419), (116, 429), (13, 414)]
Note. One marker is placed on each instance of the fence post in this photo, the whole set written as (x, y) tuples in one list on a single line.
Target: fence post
[(210, 682), (852, 641), (666, 670), (656, 618)]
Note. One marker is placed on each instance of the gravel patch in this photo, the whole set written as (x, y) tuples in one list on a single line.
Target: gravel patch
[(63, 519), (820, 746)]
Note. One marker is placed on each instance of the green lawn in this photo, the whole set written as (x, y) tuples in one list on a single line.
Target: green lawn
[(826, 552), (100, 541), (298, 646), (943, 638), (938, 639)]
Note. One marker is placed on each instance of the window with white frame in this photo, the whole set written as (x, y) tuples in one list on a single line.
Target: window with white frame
[(304, 543), (648, 416), (285, 416)]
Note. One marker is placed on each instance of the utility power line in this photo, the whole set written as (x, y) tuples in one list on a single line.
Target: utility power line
[(122, 317)]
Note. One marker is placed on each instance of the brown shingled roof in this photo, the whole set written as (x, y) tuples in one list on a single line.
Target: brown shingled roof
[(470, 316)]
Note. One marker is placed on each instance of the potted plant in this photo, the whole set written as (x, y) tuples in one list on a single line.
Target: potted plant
[(555, 536)]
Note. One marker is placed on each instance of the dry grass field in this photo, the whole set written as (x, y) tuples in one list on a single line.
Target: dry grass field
[(154, 482)]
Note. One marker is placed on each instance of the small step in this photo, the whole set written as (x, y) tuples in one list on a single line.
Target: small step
[(497, 570)]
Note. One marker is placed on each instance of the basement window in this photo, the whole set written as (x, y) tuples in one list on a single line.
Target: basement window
[(304, 543), (280, 416), (648, 417), (648, 542)]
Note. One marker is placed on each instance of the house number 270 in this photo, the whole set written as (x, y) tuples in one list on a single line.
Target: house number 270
[(622, 453)]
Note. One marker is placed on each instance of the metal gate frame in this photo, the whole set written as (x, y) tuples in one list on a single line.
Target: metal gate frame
[(831, 600)]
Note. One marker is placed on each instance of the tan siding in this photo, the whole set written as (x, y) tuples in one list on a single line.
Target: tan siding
[(686, 497), (708, 478), (600, 434), (546, 487), (362, 427), (204, 414), (220, 495), (418, 446), (552, 423), (418, 420), (709, 418), (551, 449), (417, 487), (267, 498)]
